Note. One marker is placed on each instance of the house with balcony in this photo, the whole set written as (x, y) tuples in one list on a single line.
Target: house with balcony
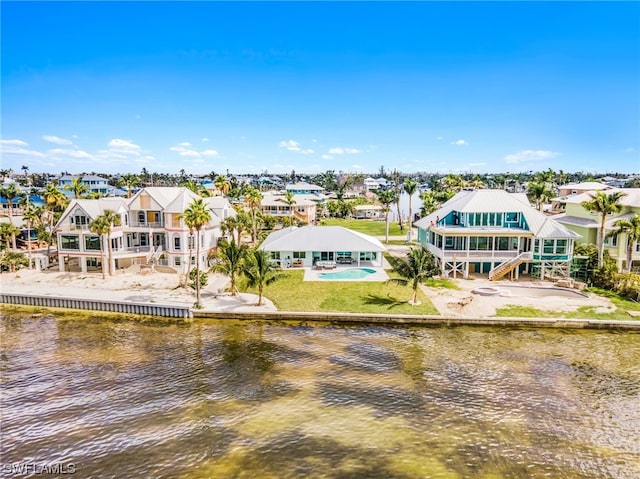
[(151, 231), (303, 209), (496, 233), (587, 223), (94, 183), (304, 188)]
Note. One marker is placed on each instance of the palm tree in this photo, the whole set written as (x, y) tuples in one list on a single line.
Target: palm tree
[(10, 193), (113, 219), (33, 215), (129, 181), (259, 271), (101, 227), (230, 261), (77, 187), (196, 216), (241, 222), (539, 192), (603, 204), (223, 184), (55, 199), (289, 200), (429, 203), (414, 269), (8, 234), (253, 199), (630, 227), (410, 187), (387, 198)]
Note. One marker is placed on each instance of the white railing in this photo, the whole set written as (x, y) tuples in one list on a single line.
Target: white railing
[(146, 224)]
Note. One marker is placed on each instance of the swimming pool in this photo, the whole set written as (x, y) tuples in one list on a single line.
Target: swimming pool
[(351, 273)]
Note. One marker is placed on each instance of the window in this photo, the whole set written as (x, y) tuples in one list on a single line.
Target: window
[(275, 255), (301, 254), (92, 262), (177, 261), (70, 242), (512, 217), (92, 242), (502, 243), (142, 219), (448, 242), (561, 246), (614, 241), (80, 220), (548, 246)]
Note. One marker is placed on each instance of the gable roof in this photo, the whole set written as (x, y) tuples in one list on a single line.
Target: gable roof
[(320, 238), (631, 196), (500, 201), (95, 207)]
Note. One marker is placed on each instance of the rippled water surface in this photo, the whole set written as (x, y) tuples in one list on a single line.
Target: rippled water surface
[(257, 400)]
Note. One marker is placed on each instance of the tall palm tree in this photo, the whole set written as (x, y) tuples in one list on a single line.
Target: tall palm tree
[(603, 204), (55, 199), (33, 216), (101, 227), (129, 181), (631, 228), (387, 198), (195, 187), (395, 177), (253, 198), (222, 184), (289, 200), (113, 219), (418, 266), (259, 271), (196, 216), (77, 187), (429, 203), (539, 192), (10, 192), (410, 187), (230, 261)]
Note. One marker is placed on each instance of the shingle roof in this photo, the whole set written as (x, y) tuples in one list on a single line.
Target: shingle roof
[(320, 238), (499, 201)]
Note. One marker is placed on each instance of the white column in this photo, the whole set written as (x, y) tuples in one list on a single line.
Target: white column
[(83, 263)]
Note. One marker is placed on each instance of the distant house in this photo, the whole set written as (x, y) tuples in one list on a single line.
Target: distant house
[(374, 184), (309, 244), (151, 230), (95, 184), (368, 212), (303, 209), (559, 203), (303, 188), (496, 233), (587, 223)]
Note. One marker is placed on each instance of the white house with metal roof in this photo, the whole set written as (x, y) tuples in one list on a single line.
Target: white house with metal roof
[(308, 245), (497, 233), (151, 230)]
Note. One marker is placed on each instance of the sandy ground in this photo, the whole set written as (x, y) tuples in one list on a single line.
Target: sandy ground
[(160, 288), (464, 302), (163, 288)]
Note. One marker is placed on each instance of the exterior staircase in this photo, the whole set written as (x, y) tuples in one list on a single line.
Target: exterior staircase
[(154, 254), (299, 216), (508, 266)]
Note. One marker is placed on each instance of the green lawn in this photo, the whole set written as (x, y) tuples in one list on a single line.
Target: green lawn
[(369, 227), (583, 312), (291, 293)]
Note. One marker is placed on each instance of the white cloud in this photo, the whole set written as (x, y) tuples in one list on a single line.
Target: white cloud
[(629, 150), (184, 149), (530, 155), (293, 145), (439, 138), (13, 143), (210, 153), (63, 152), (314, 141), (190, 153), (119, 144), (57, 140), (204, 140), (327, 157), (138, 117), (185, 144), (460, 143), (290, 145), (344, 151)]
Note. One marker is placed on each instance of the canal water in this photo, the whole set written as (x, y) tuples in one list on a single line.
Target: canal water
[(119, 399)]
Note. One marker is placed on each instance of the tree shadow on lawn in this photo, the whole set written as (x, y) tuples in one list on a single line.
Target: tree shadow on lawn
[(388, 301)]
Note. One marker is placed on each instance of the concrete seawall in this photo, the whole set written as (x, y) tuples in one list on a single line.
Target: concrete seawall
[(185, 312), (123, 307)]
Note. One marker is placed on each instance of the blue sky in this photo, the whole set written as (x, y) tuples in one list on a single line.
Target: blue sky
[(206, 86)]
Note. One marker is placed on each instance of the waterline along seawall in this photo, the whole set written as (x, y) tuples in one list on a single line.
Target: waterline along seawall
[(188, 314)]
